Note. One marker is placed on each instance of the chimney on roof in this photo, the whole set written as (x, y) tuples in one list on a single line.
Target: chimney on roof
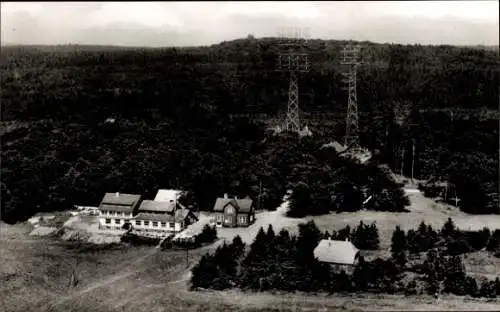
[(225, 195), (347, 239), (235, 197), (117, 194)]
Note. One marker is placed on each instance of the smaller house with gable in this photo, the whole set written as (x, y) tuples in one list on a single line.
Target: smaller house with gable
[(341, 255), (234, 212)]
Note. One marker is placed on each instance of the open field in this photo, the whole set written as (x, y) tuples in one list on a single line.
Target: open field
[(35, 271), (146, 279)]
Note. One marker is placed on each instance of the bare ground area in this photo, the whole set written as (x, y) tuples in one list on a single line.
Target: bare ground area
[(35, 271)]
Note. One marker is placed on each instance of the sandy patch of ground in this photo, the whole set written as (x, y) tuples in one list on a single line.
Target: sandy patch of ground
[(43, 231), (197, 227)]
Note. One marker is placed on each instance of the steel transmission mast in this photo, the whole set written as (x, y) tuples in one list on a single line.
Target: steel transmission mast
[(293, 60), (350, 60)]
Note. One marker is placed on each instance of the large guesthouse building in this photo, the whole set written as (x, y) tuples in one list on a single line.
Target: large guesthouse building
[(160, 217)]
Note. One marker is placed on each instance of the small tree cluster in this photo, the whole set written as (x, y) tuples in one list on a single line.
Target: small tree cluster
[(494, 242), (378, 275), (479, 239), (450, 237), (218, 271), (208, 234), (283, 262), (364, 236), (423, 239)]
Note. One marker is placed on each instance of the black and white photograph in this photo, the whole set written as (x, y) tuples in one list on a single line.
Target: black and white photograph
[(254, 156)]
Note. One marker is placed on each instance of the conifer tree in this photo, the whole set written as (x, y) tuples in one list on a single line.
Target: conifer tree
[(398, 241)]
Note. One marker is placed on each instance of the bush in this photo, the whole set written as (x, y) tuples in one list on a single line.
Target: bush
[(488, 289), (411, 288), (207, 235), (139, 240), (458, 246), (494, 241), (478, 240)]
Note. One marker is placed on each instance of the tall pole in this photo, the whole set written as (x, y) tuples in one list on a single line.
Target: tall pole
[(413, 160), (291, 59), (260, 194), (402, 159), (350, 59)]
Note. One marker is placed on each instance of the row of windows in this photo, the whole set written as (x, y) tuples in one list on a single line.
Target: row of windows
[(116, 214), (242, 219), (108, 221), (146, 223), (155, 223)]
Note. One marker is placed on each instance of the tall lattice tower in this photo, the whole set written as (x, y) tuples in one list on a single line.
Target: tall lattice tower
[(350, 61), (294, 60)]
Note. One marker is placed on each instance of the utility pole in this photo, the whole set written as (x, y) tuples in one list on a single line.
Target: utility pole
[(350, 60), (260, 194), (412, 160), (293, 60), (402, 159)]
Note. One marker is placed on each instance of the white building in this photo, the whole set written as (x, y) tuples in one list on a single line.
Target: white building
[(116, 209), (160, 217), (164, 215), (168, 195), (341, 255)]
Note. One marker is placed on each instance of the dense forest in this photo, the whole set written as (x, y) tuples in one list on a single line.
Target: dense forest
[(80, 121)]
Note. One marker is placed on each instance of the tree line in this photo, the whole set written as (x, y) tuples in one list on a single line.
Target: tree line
[(286, 262)]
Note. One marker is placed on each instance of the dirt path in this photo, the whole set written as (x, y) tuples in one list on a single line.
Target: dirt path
[(106, 282)]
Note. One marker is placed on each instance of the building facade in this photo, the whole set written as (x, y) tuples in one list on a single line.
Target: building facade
[(116, 209), (234, 212), (162, 218)]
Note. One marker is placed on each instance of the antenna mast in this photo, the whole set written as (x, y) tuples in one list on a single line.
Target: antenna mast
[(350, 60), (292, 59)]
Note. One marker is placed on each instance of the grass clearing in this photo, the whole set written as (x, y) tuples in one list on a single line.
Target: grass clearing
[(35, 271)]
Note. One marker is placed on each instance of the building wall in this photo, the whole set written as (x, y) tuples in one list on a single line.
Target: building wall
[(178, 226), (230, 216), (243, 219), (117, 219)]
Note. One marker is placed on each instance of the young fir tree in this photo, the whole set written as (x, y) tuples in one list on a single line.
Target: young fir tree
[(448, 229), (398, 241), (238, 247)]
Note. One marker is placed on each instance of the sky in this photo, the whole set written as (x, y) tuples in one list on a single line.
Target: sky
[(203, 23)]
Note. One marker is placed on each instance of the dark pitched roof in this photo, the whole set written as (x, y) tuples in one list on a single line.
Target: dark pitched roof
[(180, 214), (243, 205), (119, 202), (159, 206)]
